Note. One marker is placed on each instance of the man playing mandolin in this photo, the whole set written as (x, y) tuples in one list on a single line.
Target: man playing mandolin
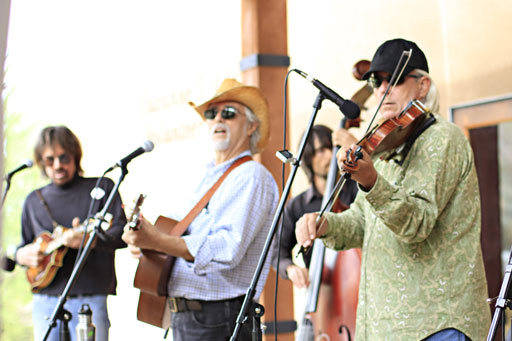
[(59, 207), (416, 218), (217, 256)]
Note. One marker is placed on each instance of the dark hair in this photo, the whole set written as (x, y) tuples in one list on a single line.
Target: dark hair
[(324, 136), (62, 136)]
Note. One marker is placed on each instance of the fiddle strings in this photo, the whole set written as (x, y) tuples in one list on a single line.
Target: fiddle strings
[(391, 85)]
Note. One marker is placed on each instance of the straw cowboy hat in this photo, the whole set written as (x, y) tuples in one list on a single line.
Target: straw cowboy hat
[(252, 97)]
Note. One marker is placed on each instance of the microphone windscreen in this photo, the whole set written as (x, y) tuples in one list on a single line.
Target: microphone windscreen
[(350, 109), (148, 146)]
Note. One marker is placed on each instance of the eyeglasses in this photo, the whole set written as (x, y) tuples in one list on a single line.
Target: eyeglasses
[(227, 113), (376, 80), (63, 158)]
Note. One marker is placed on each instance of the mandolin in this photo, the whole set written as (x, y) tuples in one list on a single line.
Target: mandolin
[(52, 245)]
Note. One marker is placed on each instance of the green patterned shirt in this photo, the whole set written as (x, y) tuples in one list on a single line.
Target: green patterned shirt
[(419, 228)]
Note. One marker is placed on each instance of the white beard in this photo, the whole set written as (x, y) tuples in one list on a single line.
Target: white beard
[(220, 145)]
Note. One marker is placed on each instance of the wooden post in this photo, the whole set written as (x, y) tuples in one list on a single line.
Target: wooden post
[(265, 64)]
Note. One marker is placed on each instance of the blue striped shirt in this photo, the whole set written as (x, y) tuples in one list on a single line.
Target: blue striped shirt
[(227, 237)]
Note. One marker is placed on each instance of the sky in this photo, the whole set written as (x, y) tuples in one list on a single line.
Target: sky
[(119, 73)]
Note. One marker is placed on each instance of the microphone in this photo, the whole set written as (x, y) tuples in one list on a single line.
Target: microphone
[(7, 264), (147, 146), (26, 164), (7, 261), (347, 107)]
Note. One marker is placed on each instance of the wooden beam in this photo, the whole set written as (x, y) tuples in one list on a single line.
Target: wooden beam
[(265, 64)]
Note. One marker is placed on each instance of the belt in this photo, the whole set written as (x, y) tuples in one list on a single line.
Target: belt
[(180, 304), (82, 295)]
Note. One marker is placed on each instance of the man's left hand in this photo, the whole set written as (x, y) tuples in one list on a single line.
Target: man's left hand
[(143, 237), (71, 237), (365, 175)]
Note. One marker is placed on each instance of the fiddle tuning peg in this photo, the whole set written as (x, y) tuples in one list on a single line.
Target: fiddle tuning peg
[(350, 164), (358, 153)]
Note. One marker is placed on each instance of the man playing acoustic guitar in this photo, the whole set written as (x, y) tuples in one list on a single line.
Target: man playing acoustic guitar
[(217, 256), (53, 214)]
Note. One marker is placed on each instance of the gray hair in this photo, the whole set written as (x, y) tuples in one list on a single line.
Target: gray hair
[(431, 101), (256, 135)]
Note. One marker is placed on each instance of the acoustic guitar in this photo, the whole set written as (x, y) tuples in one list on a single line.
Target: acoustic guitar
[(153, 274), (52, 245)]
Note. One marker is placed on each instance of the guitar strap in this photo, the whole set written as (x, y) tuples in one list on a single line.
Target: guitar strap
[(182, 225), (43, 202)]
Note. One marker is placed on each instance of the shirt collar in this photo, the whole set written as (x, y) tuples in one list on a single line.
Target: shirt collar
[(211, 165), (311, 194)]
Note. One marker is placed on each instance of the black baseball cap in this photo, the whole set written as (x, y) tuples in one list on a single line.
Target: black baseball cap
[(388, 54)]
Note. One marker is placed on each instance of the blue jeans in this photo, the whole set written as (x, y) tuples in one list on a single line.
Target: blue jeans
[(216, 322), (44, 305), (448, 335)]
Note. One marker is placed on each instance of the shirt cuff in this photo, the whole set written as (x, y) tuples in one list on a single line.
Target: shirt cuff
[(194, 243), (381, 193)]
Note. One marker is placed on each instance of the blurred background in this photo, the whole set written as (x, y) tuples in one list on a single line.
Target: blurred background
[(120, 72)]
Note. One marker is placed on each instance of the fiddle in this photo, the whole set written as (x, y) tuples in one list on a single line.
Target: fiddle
[(390, 134)]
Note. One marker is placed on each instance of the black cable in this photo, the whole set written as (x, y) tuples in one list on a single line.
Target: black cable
[(282, 216)]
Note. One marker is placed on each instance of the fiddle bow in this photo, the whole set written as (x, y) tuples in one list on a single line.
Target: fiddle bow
[(341, 289)]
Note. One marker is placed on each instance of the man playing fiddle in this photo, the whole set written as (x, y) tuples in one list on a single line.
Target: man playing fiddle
[(416, 218)]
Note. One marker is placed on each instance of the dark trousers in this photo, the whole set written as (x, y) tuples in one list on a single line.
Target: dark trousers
[(216, 321)]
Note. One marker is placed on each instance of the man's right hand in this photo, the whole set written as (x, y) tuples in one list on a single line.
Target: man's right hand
[(298, 275), (29, 255), (135, 251), (307, 229)]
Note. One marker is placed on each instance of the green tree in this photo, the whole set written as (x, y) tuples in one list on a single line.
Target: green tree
[(15, 295)]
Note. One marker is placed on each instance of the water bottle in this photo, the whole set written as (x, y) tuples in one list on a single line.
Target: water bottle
[(85, 329)]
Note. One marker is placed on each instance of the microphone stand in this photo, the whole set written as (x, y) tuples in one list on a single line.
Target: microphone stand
[(7, 262), (6, 189), (502, 301), (59, 312), (258, 310)]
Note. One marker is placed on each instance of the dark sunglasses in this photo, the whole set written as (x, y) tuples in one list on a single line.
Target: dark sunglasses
[(376, 80), (63, 158), (227, 113)]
